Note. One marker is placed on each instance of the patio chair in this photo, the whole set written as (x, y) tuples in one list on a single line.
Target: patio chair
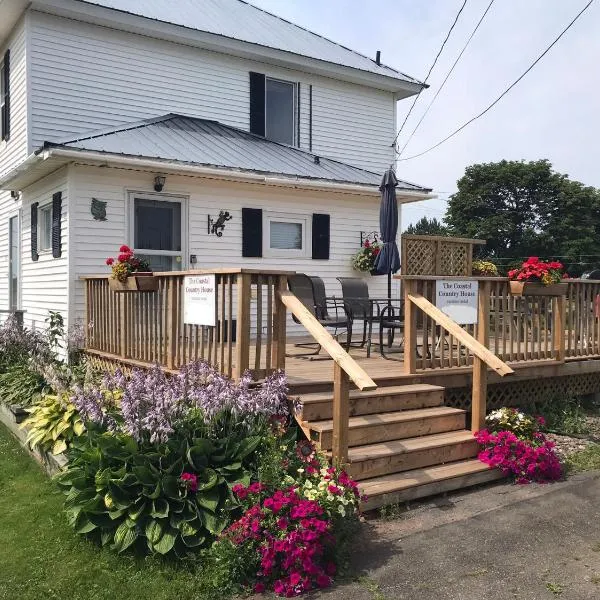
[(355, 293), (311, 292), (391, 319)]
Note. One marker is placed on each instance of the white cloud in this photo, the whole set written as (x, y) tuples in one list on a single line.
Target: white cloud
[(553, 113)]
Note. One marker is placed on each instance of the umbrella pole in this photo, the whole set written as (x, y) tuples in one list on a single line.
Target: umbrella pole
[(390, 331)]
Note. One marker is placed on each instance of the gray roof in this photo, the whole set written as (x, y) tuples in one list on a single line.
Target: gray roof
[(242, 21), (180, 139)]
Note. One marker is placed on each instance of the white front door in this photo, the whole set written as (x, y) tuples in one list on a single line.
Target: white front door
[(157, 234)]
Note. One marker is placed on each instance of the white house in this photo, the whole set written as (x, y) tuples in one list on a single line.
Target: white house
[(231, 108)]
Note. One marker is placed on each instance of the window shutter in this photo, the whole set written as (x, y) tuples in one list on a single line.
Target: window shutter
[(34, 231), (252, 232), (5, 100), (56, 224), (320, 236), (257, 103)]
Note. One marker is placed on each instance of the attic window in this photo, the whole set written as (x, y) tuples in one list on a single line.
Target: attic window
[(279, 111)]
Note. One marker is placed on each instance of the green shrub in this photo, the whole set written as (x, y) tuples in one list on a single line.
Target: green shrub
[(20, 384), (53, 423), (564, 416), (166, 498)]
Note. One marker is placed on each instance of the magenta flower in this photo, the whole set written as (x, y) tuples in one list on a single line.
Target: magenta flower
[(189, 481)]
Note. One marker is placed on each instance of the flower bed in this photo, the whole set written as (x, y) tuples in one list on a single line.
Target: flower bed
[(513, 443)]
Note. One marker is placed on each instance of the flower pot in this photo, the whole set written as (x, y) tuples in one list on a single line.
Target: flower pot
[(533, 288), (138, 282)]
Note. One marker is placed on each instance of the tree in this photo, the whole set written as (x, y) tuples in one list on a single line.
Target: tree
[(425, 226), (525, 208)]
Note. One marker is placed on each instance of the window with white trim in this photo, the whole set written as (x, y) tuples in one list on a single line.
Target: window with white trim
[(280, 110), (285, 235), (45, 228)]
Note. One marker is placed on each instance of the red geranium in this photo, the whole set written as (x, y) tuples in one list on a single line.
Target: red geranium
[(126, 264), (533, 269)]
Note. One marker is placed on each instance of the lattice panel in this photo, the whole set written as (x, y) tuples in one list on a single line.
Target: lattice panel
[(454, 259), (529, 394), (107, 364), (418, 257)]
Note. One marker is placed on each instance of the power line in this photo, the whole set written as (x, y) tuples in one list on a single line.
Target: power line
[(510, 87), (447, 76), (430, 70)]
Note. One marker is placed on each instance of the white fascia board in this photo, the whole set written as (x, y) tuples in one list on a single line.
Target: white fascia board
[(107, 17)]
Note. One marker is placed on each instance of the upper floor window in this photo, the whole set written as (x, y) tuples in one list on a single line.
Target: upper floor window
[(5, 96), (44, 228), (273, 108)]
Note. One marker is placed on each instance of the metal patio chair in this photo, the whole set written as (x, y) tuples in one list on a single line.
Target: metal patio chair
[(391, 320), (310, 290)]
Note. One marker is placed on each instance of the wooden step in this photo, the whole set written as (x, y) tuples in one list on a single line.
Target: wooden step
[(318, 407), (429, 481), (371, 429), (376, 460)]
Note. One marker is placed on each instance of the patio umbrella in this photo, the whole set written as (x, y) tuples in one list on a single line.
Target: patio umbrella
[(388, 260)]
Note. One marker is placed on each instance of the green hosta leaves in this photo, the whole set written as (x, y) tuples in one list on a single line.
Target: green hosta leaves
[(154, 530), (160, 508), (166, 542), (124, 537), (209, 499)]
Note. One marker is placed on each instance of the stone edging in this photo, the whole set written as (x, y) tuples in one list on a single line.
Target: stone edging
[(51, 464)]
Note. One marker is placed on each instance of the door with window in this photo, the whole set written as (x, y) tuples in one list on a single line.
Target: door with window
[(14, 264), (157, 231)]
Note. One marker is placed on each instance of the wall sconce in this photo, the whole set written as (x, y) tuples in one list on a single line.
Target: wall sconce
[(217, 225), (372, 236), (159, 183), (15, 195)]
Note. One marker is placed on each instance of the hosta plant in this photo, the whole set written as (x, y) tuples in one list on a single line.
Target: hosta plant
[(163, 498), (20, 384), (53, 423)]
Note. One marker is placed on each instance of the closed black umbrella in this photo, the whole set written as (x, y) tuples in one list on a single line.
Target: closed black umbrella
[(388, 260)]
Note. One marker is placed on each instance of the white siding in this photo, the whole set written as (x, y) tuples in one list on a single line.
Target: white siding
[(15, 150), (93, 241), (45, 282), (86, 77)]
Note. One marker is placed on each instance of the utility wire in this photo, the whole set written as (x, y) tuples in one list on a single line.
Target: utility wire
[(510, 87), (447, 76), (430, 70)]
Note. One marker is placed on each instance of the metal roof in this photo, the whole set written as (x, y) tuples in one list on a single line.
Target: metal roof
[(209, 143), (239, 20)]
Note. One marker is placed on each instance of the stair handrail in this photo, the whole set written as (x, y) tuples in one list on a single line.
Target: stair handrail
[(345, 368), (482, 356)]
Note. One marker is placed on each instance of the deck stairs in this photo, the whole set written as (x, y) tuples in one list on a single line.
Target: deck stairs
[(403, 442)]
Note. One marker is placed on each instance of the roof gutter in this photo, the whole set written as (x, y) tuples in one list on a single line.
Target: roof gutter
[(224, 174)]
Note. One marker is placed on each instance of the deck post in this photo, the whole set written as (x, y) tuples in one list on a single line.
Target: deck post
[(410, 328), (341, 415), (172, 317), (242, 344), (558, 327), (480, 375), (279, 325), (123, 350)]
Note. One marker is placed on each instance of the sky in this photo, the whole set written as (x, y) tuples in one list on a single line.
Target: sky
[(553, 113)]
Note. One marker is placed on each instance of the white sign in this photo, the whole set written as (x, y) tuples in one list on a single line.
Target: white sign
[(458, 299), (199, 300)]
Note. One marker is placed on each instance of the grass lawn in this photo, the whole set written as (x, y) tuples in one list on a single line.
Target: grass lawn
[(41, 557)]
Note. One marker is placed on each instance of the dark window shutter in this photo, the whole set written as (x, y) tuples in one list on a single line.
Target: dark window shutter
[(251, 232), (257, 103), (5, 100), (34, 231), (56, 224), (320, 236)]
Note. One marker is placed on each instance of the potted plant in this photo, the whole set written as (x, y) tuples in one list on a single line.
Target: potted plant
[(130, 273), (364, 259), (538, 278), (484, 268)]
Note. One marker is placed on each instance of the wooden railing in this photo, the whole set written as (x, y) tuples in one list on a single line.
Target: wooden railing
[(149, 328), (582, 318), (445, 330), (345, 369)]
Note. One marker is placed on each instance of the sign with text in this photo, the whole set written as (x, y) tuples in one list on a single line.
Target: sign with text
[(457, 298), (199, 300)]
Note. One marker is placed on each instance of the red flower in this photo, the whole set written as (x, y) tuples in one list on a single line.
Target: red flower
[(124, 257), (110, 261), (125, 248), (259, 588), (190, 481)]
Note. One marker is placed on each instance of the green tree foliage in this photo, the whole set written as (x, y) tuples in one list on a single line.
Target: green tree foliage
[(525, 208), (425, 226)]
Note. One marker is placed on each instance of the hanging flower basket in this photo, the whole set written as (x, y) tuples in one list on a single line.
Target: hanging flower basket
[(532, 288), (364, 259), (537, 278), (138, 282)]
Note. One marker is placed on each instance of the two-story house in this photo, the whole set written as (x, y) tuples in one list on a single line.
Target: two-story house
[(139, 122)]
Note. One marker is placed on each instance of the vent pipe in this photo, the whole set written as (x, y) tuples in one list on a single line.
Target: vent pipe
[(378, 58)]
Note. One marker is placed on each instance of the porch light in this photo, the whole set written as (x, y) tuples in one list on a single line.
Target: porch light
[(159, 183)]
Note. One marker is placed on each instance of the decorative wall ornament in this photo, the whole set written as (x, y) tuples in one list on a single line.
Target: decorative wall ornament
[(216, 226), (371, 236), (98, 209)]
